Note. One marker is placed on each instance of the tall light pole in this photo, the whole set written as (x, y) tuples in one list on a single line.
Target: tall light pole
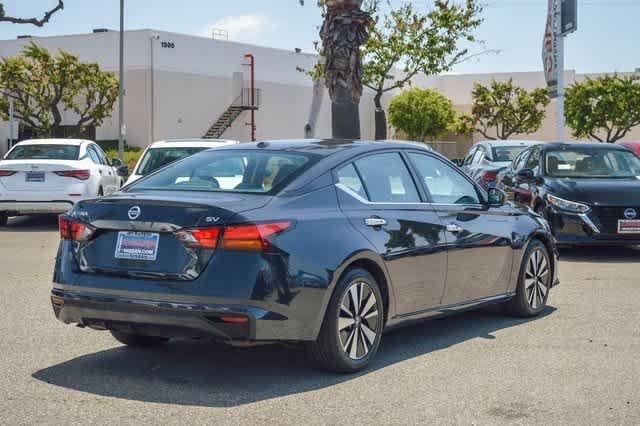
[(121, 96), (10, 123), (153, 87)]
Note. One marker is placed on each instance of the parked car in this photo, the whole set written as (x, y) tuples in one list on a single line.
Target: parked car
[(589, 192), (324, 242), (487, 158), (51, 175), (159, 154), (633, 146)]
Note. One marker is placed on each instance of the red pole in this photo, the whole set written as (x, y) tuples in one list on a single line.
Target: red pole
[(253, 94)]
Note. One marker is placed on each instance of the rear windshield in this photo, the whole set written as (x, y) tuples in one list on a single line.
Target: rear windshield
[(44, 152), (247, 171), (156, 158), (503, 154), (592, 163)]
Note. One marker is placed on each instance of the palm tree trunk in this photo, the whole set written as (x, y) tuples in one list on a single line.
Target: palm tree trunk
[(344, 30)]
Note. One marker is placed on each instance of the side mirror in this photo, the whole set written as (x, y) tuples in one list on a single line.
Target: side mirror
[(122, 171), (525, 175), (497, 197), (116, 162)]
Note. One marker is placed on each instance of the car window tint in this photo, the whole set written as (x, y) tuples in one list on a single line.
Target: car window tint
[(479, 156), (348, 176), (101, 155), (387, 179), (445, 184), (44, 152), (470, 156), (534, 159), (93, 155)]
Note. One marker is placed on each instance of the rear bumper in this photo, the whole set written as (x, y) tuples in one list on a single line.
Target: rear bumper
[(169, 318), (14, 207)]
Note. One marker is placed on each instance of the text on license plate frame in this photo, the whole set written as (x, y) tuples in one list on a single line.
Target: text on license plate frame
[(134, 245), (630, 226)]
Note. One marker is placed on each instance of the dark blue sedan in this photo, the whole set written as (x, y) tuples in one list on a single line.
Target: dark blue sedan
[(322, 242)]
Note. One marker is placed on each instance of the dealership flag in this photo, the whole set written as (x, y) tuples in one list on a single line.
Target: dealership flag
[(551, 47)]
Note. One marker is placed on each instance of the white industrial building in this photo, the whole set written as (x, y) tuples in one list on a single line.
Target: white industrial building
[(180, 86)]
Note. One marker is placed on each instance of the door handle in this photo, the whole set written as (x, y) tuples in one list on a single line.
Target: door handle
[(375, 221), (452, 227)]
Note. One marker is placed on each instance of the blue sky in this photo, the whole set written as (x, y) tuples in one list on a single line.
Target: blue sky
[(607, 38)]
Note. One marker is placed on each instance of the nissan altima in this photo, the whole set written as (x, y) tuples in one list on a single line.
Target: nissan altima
[(589, 192), (322, 242)]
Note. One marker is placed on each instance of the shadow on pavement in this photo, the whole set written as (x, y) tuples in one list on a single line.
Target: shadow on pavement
[(39, 223), (213, 375), (600, 255)]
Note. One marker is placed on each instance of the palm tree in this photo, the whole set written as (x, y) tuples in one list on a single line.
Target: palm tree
[(344, 30)]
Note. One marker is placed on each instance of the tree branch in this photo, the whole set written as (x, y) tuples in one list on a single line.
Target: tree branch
[(33, 21)]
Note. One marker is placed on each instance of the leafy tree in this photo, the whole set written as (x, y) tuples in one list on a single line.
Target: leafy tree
[(43, 86), (415, 42), (33, 21), (604, 108), (506, 109), (422, 113), (344, 30)]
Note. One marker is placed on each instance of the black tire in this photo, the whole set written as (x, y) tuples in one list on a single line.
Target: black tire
[(351, 348), (536, 279), (138, 340), (4, 219)]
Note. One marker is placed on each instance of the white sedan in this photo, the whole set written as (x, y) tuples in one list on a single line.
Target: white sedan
[(50, 175)]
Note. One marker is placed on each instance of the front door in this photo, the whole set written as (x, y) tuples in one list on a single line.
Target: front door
[(478, 238), (380, 198)]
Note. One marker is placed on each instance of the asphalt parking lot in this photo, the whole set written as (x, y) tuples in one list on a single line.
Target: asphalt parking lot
[(579, 363)]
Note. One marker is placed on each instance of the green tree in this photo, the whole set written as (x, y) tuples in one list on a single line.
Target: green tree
[(422, 113), (406, 42), (33, 21), (604, 108), (506, 109), (43, 87)]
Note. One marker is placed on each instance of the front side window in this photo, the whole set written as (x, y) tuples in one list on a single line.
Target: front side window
[(387, 179), (44, 152), (534, 159), (592, 163), (246, 171), (156, 158), (444, 183), (503, 154), (479, 156), (93, 155)]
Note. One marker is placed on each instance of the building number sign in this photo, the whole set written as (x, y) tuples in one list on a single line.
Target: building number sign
[(167, 45)]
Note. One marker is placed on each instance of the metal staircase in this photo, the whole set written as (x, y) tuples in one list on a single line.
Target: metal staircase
[(247, 101)]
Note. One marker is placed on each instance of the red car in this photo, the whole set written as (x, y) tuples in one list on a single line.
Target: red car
[(633, 146)]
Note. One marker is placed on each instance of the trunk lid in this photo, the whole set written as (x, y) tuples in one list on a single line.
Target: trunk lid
[(149, 220), (36, 175)]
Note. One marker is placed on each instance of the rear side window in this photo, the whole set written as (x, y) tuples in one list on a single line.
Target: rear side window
[(348, 176), (387, 179), (247, 171), (44, 152)]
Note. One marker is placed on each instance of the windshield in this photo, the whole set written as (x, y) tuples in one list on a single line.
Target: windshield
[(592, 163), (44, 152), (249, 171), (156, 158), (504, 154)]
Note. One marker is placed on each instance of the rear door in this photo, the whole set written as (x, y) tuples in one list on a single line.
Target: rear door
[(111, 177), (105, 171), (378, 194), (478, 238)]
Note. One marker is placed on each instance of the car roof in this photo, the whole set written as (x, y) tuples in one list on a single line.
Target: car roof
[(192, 143), (582, 145), (327, 147), (70, 142), (509, 142)]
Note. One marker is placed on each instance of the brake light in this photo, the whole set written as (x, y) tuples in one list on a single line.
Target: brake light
[(489, 179), (78, 174), (74, 230), (251, 237), (206, 238), (4, 173)]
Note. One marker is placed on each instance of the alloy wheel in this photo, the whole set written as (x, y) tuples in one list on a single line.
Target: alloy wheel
[(536, 280), (358, 322)]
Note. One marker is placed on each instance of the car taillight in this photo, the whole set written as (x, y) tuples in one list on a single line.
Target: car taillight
[(78, 174), (488, 179), (4, 173), (206, 238), (74, 230), (251, 237)]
